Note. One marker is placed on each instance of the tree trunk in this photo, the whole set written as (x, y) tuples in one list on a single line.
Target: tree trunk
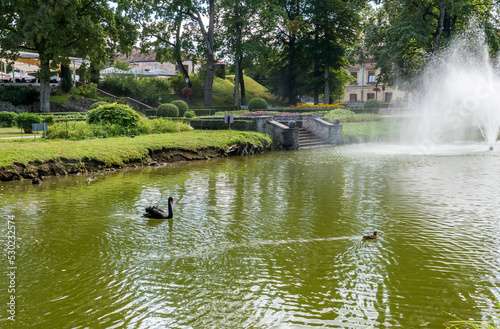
[(242, 86), (326, 100), (210, 54), (237, 83), (44, 84), (184, 72), (291, 83), (439, 29)]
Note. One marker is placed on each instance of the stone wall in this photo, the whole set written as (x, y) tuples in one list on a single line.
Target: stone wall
[(331, 133), (286, 138)]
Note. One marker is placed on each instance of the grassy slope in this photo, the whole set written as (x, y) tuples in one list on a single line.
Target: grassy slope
[(370, 131), (223, 91), (117, 151)]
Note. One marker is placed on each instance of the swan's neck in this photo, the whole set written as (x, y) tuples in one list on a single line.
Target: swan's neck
[(170, 213)]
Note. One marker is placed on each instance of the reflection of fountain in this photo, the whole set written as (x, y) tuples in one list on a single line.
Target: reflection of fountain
[(456, 97)]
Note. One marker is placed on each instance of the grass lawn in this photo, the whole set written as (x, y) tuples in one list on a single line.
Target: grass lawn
[(117, 151), (13, 132), (370, 131)]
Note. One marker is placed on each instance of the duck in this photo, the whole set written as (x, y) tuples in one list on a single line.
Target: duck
[(37, 180), (370, 236), (158, 213), (91, 178)]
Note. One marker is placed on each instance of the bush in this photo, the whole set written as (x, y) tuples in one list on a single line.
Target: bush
[(97, 104), (182, 106), (257, 104), (24, 121), (150, 112), (88, 91), (81, 130), (167, 111), (18, 95), (190, 114), (48, 119), (372, 104), (122, 115), (7, 119)]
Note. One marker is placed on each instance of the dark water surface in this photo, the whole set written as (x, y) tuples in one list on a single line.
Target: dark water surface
[(268, 241)]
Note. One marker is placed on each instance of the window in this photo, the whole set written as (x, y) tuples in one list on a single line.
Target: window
[(355, 76), (388, 97), (370, 96), (371, 77), (353, 98)]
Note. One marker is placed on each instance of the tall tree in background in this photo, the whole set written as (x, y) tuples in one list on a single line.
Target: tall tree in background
[(163, 22), (58, 29), (402, 35), (242, 31)]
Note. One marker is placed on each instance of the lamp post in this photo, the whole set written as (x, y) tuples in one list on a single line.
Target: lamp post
[(187, 89)]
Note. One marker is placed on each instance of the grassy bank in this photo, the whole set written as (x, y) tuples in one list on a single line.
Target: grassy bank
[(120, 151), (370, 131)]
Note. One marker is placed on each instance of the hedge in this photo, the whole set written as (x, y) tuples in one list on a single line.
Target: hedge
[(242, 125)]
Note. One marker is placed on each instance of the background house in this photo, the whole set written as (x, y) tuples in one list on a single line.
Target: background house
[(365, 86), (148, 63)]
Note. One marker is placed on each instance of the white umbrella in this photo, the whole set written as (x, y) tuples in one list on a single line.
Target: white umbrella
[(113, 70)]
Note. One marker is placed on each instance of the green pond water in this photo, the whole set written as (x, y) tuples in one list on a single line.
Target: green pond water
[(267, 241)]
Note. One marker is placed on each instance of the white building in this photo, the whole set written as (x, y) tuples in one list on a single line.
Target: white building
[(365, 87)]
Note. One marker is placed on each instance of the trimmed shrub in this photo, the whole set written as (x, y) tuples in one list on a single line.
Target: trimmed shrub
[(122, 115), (257, 104), (48, 119), (150, 112), (7, 119), (24, 121), (182, 106), (243, 125), (190, 114), (97, 104), (17, 95), (167, 111), (372, 104)]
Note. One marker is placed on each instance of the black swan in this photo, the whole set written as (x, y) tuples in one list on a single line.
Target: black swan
[(157, 212), (370, 236), (38, 180)]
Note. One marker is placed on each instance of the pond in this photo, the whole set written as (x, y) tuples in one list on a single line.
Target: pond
[(267, 241)]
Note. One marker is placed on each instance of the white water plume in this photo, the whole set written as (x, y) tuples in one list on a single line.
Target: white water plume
[(457, 100)]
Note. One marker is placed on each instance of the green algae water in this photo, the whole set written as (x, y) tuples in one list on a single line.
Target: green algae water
[(267, 241)]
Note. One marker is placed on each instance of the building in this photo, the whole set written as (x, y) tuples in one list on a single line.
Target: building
[(148, 63), (365, 87)]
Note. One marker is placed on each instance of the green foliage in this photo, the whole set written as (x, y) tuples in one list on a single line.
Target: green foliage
[(190, 114), (257, 104), (121, 65), (182, 106), (143, 89), (349, 116), (167, 110), (81, 130), (87, 91), (243, 125), (372, 104), (97, 104), (150, 112), (7, 119), (48, 119), (18, 95), (24, 121), (122, 115), (67, 81)]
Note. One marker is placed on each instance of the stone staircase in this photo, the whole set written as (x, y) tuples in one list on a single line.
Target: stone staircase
[(309, 140)]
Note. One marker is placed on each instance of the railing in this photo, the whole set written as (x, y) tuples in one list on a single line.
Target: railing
[(130, 101)]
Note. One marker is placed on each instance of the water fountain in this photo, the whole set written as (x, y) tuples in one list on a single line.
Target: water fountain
[(456, 100)]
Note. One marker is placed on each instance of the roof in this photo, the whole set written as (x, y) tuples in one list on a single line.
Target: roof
[(136, 57)]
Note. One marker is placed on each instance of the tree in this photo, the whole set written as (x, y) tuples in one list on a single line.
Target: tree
[(403, 35), (242, 31), (58, 29), (163, 23)]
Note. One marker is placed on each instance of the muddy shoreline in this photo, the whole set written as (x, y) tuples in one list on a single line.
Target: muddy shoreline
[(63, 166)]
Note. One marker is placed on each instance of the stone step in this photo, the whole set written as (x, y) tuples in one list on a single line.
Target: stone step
[(308, 139)]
